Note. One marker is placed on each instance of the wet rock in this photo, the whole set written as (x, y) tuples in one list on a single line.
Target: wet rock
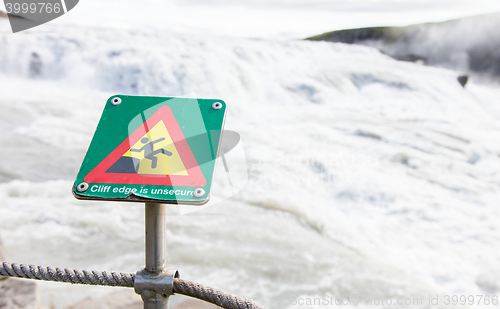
[(18, 294), (35, 68), (368, 134), (470, 44), (3, 257), (125, 299), (463, 79)]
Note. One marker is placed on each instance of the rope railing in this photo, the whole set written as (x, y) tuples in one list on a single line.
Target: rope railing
[(184, 287), (67, 275)]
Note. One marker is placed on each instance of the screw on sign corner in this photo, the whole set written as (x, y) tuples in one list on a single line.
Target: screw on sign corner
[(82, 187), (217, 105), (116, 101), (199, 192)]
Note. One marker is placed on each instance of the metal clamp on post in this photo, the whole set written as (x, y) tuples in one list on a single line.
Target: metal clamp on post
[(161, 284)]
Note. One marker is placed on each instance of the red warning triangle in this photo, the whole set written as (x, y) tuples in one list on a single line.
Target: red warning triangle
[(156, 153)]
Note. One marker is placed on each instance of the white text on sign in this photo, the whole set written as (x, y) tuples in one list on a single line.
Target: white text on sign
[(127, 190)]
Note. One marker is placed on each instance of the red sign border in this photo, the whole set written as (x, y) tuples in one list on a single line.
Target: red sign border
[(195, 176)]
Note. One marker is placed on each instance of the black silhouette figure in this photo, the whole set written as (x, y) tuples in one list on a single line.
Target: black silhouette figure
[(149, 153)]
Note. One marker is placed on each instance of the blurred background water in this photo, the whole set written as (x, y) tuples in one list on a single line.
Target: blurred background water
[(367, 175)]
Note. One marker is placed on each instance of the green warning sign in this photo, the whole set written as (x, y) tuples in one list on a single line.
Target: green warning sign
[(159, 149)]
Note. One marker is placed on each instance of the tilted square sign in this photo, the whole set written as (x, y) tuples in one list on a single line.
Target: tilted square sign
[(153, 149)]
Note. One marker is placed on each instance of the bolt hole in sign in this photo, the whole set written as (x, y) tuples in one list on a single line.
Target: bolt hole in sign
[(153, 149)]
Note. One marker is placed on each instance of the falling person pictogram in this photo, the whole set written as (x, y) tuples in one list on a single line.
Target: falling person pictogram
[(149, 153), (160, 134)]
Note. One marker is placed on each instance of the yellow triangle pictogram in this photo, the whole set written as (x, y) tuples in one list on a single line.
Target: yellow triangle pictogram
[(157, 153)]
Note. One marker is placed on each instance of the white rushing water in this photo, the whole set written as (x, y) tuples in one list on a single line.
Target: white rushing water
[(368, 176)]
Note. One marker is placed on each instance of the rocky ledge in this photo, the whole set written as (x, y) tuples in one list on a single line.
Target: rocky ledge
[(17, 293)]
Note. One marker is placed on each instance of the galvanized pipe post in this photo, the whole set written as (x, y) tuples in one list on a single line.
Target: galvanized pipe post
[(155, 254), (155, 238)]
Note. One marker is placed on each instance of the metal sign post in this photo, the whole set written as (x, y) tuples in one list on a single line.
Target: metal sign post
[(155, 274), (155, 252), (155, 283), (155, 238)]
